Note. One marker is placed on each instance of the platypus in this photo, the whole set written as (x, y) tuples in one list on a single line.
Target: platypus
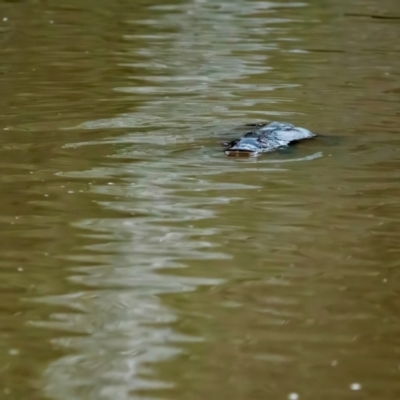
[(269, 137)]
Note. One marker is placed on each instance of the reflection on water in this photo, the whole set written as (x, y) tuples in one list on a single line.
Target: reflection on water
[(138, 261)]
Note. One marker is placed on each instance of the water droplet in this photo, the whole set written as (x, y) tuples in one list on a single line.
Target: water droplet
[(5, 19), (355, 386), (293, 396), (13, 352)]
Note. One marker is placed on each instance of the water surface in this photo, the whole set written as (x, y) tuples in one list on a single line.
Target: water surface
[(138, 261)]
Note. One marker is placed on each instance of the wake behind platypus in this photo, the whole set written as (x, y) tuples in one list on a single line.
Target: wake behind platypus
[(269, 137)]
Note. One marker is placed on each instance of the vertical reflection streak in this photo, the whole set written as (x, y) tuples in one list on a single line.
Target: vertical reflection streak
[(120, 327)]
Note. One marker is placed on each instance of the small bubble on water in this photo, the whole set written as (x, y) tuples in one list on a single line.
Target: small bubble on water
[(110, 183), (355, 386), (5, 19), (293, 396), (334, 363), (20, 269), (384, 280), (13, 352), (52, 22), (70, 191)]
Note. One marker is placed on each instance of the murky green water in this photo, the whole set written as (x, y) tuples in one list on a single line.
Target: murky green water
[(138, 261)]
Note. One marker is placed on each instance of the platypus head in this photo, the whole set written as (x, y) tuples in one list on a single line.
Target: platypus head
[(246, 147)]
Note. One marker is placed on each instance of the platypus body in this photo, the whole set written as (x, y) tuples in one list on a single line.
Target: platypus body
[(267, 138)]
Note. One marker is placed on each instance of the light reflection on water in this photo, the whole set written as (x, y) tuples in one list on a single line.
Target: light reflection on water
[(125, 326)]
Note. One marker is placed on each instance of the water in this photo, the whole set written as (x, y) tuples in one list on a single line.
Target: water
[(138, 261)]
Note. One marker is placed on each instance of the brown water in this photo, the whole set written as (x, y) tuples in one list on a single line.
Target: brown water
[(138, 261)]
